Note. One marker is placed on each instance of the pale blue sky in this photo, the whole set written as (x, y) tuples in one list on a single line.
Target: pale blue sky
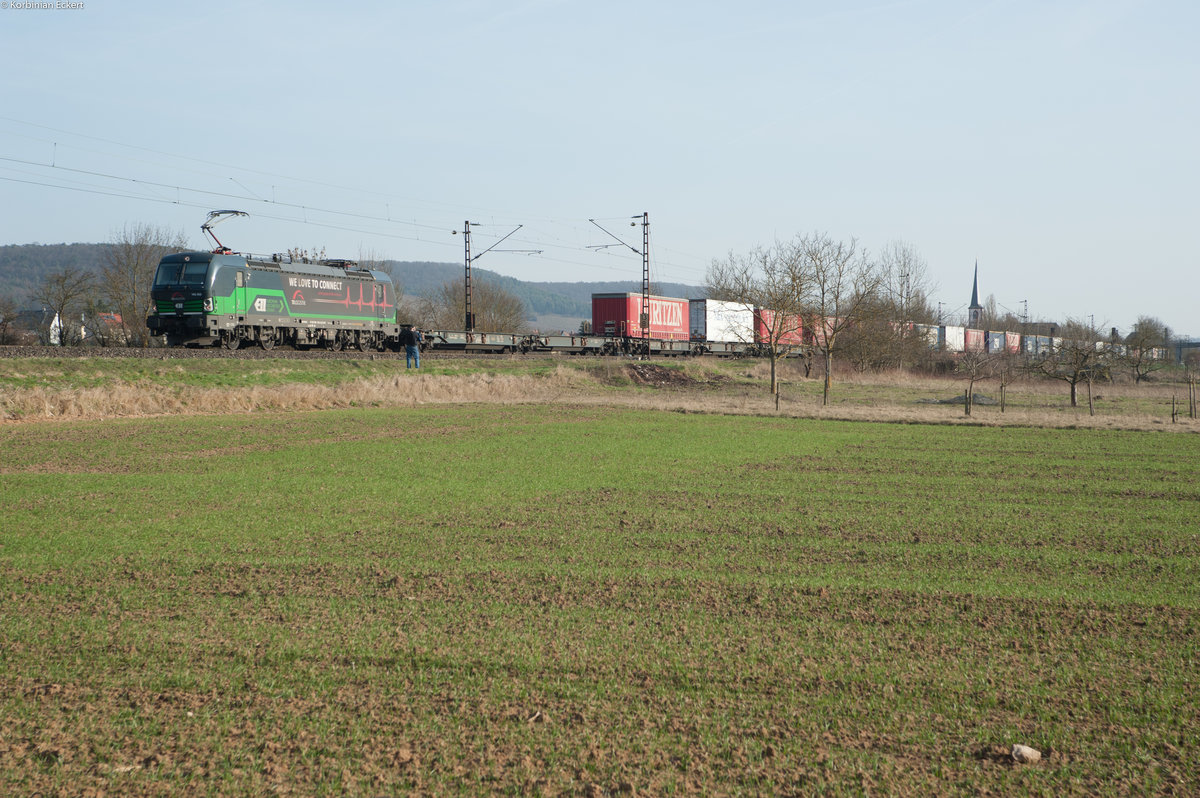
[(1055, 142)]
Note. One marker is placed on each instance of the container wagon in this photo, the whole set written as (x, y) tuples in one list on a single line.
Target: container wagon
[(974, 340), (790, 331), (927, 333), (995, 342), (714, 320), (619, 316), (952, 338)]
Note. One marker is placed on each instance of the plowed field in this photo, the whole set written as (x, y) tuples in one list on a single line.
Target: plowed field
[(597, 601)]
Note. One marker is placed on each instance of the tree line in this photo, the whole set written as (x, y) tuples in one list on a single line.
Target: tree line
[(850, 304), (870, 311), (107, 302)]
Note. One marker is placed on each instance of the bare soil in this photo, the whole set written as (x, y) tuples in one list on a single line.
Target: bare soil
[(583, 725)]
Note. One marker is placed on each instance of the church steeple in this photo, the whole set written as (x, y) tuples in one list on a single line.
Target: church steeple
[(975, 310)]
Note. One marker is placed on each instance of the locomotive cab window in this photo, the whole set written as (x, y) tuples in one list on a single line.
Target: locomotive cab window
[(181, 273), (167, 274), (194, 273)]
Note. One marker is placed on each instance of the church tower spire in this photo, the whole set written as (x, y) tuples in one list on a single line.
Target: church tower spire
[(975, 310)]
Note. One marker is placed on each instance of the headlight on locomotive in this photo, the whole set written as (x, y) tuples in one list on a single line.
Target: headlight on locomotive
[(208, 304)]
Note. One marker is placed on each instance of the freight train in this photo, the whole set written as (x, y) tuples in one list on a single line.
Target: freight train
[(691, 327), (228, 299)]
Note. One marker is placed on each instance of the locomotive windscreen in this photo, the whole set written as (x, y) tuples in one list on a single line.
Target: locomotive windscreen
[(188, 273)]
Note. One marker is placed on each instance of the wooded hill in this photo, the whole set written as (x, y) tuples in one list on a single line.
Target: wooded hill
[(24, 266)]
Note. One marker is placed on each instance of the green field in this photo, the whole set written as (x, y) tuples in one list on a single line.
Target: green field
[(594, 600)]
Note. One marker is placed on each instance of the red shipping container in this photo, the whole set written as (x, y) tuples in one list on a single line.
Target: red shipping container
[(620, 315), (1012, 342), (792, 333), (819, 328), (975, 341)]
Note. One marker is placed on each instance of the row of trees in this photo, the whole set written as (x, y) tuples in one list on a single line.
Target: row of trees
[(495, 309), (111, 303), (1082, 356), (847, 300), (866, 309)]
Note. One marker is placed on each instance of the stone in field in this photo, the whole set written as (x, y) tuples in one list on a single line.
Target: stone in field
[(1026, 755)]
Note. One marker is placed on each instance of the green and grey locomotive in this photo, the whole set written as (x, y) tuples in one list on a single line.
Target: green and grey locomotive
[(202, 298), (227, 298)]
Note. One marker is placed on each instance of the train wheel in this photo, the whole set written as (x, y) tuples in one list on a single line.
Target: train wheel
[(335, 343), (266, 338), (366, 342), (229, 340)]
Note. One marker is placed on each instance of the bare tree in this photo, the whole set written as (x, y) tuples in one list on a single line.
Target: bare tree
[(866, 347), (974, 367), (375, 261), (1143, 347), (1190, 376), (1078, 357), (889, 332), (495, 309), (63, 293), (905, 289), (844, 283), (875, 342), (100, 328), (773, 284), (416, 311), (1008, 367), (127, 274), (302, 255), (8, 315)]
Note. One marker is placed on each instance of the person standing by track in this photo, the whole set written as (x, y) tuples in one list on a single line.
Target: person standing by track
[(410, 337)]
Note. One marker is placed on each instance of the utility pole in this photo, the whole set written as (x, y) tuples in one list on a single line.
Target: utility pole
[(644, 316), (469, 320), (646, 280)]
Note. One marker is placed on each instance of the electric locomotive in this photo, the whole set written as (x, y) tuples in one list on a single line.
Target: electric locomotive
[(227, 298)]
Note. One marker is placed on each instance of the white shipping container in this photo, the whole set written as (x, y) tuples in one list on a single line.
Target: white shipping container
[(714, 320), (927, 333), (952, 339)]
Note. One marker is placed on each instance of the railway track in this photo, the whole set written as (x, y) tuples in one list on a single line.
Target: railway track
[(246, 353)]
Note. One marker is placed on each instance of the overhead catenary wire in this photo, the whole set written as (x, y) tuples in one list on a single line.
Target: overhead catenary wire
[(222, 194), (309, 222), (545, 239), (323, 184), (554, 247), (534, 246)]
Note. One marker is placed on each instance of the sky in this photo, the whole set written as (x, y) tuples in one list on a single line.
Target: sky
[(1053, 142)]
